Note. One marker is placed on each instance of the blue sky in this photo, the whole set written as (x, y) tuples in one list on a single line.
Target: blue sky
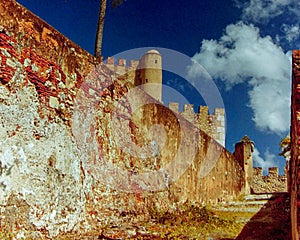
[(245, 45)]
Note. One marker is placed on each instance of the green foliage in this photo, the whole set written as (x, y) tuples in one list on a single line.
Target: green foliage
[(193, 222)]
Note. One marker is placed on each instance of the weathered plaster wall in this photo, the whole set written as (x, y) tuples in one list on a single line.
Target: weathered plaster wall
[(77, 147), (158, 148), (42, 185), (212, 171)]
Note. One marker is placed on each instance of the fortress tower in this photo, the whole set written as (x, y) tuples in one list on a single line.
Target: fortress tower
[(149, 74), (243, 154)]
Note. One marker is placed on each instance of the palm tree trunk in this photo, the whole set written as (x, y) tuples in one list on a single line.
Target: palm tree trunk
[(99, 35)]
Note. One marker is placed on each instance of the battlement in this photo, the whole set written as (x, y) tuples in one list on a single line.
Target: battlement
[(121, 66), (272, 172), (273, 182), (212, 124), (122, 62), (258, 171)]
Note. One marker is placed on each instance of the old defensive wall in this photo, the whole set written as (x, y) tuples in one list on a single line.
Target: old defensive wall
[(66, 168)]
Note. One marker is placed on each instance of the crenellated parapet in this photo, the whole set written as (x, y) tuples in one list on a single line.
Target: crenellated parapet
[(211, 124), (121, 67), (273, 182)]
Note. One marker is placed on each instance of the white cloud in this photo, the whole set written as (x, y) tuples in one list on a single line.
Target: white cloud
[(295, 8), (291, 32), (265, 163), (261, 11), (270, 103), (243, 56), (265, 12)]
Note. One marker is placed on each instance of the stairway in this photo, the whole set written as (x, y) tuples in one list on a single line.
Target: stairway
[(255, 202), (266, 216)]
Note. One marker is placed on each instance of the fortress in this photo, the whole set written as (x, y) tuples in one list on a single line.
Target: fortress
[(53, 181), (147, 73)]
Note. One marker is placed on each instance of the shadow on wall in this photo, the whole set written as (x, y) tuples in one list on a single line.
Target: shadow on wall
[(272, 222)]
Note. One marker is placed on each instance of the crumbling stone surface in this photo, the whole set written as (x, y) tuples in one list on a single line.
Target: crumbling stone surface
[(269, 183), (39, 164), (78, 150)]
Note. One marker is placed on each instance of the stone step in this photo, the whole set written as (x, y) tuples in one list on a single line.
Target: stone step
[(240, 209), (266, 196), (248, 203), (255, 202)]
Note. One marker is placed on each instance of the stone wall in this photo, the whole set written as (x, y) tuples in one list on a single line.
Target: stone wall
[(212, 124), (295, 150), (81, 148), (273, 182)]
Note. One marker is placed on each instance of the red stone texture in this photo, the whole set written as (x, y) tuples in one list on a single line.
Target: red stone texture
[(43, 45), (295, 147), (6, 72), (37, 77), (45, 55)]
